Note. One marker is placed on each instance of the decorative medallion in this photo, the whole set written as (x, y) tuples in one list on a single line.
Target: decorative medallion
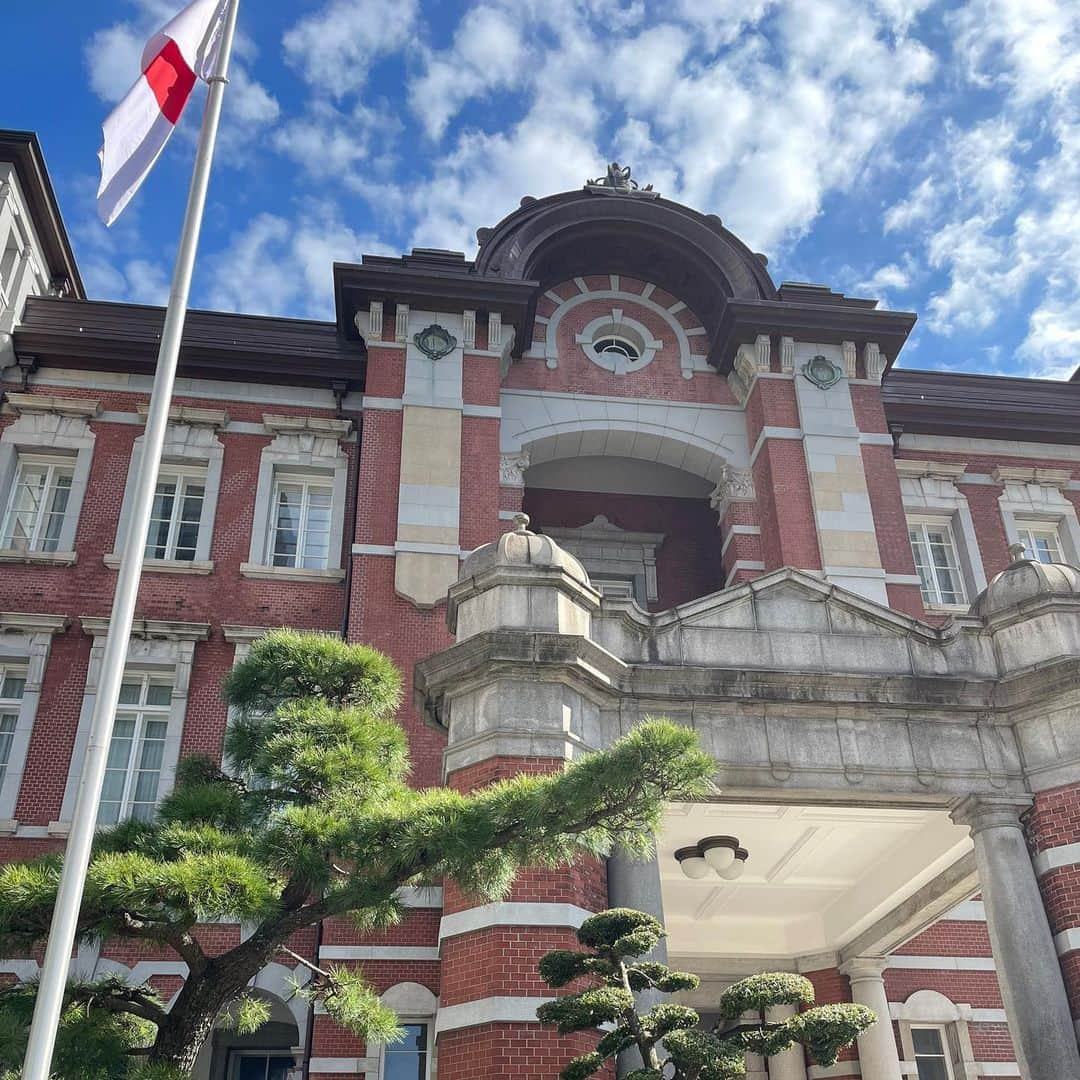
[(822, 372), (435, 342)]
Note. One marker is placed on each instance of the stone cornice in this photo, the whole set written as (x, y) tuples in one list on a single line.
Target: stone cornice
[(50, 403), (310, 425), (1018, 474), (24, 622), (937, 470), (151, 629), (186, 414)]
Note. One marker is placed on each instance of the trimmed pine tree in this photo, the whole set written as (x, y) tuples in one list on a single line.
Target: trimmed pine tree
[(314, 819), (615, 945)]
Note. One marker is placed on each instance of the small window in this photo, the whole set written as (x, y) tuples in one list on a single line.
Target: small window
[(300, 523), (935, 562), (618, 346), (176, 516), (931, 1054), (1041, 543), (256, 1066), (34, 516), (407, 1059), (12, 686), (137, 751)]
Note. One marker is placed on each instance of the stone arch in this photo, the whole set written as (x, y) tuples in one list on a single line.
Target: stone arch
[(929, 1006), (699, 439)]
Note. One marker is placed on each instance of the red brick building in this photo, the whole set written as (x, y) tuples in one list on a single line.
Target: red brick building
[(852, 579)]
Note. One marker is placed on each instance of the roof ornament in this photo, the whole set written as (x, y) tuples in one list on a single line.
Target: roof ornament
[(618, 181)]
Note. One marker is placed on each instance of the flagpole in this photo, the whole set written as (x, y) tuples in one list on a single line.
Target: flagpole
[(54, 971)]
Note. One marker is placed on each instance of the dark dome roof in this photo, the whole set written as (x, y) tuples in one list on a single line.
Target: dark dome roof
[(689, 254)]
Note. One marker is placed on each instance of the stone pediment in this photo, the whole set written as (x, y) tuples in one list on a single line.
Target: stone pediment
[(794, 601)]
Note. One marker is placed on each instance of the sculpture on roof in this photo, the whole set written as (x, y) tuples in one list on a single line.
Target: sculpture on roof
[(618, 179)]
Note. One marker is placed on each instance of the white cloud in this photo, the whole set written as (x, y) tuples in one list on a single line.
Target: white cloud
[(913, 210), (1032, 46), (487, 54), (275, 265), (335, 47)]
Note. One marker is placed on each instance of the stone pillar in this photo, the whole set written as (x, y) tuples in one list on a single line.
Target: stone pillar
[(878, 1056), (634, 884), (1027, 964), (519, 720), (791, 1064)]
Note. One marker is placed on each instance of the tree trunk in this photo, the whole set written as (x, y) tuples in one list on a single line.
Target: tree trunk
[(191, 1020)]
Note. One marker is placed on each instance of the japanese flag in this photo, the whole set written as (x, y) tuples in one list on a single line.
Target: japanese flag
[(182, 51)]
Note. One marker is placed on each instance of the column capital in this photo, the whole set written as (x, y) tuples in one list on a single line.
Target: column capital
[(861, 968), (979, 812)]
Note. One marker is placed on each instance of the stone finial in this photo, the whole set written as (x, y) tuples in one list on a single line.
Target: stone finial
[(521, 523), (1018, 553)]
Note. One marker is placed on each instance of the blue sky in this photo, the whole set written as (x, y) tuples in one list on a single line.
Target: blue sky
[(925, 154)]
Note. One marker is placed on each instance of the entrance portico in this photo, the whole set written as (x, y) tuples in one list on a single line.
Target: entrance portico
[(856, 749)]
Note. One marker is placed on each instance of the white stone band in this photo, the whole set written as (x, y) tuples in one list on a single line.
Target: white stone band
[(493, 1010), (508, 914), (1055, 857)]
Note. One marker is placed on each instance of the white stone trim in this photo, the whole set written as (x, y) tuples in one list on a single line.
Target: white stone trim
[(1055, 857), (968, 911), (421, 896), (345, 1066), (941, 963), (29, 649), (314, 449), (742, 564), (379, 952), (187, 445), (991, 447), (997, 1068), (170, 654), (1033, 498), (840, 1069), (261, 572), (492, 1010), (511, 914), (738, 530), (1067, 941), (51, 429), (374, 549)]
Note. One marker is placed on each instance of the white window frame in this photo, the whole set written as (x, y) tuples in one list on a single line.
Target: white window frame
[(429, 1023), (158, 648), (52, 465), (930, 496), (1027, 533), (923, 526), (416, 1004), (1033, 498), (946, 1051), (190, 450), (304, 446), (24, 645), (54, 428), (237, 1053), (144, 714), (931, 1009), (306, 481), (10, 708), (184, 476)]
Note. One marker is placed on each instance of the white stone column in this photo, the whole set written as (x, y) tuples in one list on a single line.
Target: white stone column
[(791, 1064), (1024, 954), (878, 1056), (634, 884)]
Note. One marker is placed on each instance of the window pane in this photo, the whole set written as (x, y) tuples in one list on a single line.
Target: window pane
[(251, 1068), (927, 1041), (11, 686), (159, 693), (932, 1068), (130, 692), (7, 735), (407, 1059), (278, 1068)]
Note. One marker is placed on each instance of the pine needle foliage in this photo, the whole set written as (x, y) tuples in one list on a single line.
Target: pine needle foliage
[(315, 818), (613, 972)]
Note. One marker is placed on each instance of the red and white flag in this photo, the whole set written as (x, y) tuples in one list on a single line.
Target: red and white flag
[(136, 132)]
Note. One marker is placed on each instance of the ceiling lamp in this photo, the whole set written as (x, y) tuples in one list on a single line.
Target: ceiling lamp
[(720, 855), (692, 862)]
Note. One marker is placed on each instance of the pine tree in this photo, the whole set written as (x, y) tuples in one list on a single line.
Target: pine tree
[(315, 818), (615, 943)]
